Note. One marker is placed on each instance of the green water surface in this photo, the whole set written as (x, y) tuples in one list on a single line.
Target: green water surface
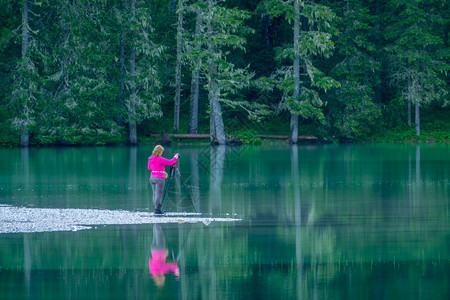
[(318, 222)]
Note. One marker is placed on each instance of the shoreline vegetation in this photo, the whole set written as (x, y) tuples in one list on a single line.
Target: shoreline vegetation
[(395, 136)]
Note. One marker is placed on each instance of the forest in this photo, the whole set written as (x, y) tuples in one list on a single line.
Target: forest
[(104, 72)]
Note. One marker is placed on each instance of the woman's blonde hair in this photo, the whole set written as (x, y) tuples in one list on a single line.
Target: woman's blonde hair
[(158, 150)]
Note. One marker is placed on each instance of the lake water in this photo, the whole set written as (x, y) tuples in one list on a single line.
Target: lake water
[(316, 222)]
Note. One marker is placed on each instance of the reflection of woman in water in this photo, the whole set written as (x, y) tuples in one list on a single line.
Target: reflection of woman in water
[(157, 264)]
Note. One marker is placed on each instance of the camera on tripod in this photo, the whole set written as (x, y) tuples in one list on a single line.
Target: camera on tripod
[(173, 172)]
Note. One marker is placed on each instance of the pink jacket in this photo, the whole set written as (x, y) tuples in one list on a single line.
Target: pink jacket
[(157, 163), (157, 263)]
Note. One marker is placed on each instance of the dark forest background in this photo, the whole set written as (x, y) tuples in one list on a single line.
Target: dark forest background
[(96, 72)]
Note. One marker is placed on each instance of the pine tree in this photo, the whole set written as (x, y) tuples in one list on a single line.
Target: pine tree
[(196, 65), (176, 123), (224, 31), (417, 56), (142, 81), (26, 80), (357, 113), (313, 27), (81, 103)]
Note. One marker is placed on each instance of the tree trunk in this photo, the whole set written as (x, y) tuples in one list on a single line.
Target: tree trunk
[(215, 111), (267, 30), (193, 111), (212, 126), (413, 95), (176, 122), (66, 57), (217, 130), (122, 63), (24, 133), (132, 107), (378, 44), (218, 121), (293, 133), (25, 33), (417, 117), (409, 101), (409, 113)]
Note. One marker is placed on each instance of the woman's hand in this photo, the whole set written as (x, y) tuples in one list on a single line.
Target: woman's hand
[(176, 155)]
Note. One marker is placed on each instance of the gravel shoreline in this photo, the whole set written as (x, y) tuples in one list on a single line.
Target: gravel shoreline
[(22, 219)]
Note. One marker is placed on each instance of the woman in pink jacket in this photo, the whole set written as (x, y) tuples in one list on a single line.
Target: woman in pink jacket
[(156, 164)]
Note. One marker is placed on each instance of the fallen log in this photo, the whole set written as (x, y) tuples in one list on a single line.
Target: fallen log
[(207, 136), (184, 136), (285, 137)]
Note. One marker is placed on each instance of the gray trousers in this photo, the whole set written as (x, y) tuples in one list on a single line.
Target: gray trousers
[(157, 187)]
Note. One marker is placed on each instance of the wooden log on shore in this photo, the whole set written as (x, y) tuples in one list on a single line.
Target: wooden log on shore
[(206, 136), (185, 136), (285, 137)]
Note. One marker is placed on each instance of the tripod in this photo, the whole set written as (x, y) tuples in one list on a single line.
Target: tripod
[(182, 245), (171, 175)]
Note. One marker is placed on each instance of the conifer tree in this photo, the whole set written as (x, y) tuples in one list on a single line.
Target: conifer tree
[(180, 11), (298, 77), (81, 103), (417, 55), (142, 81), (196, 65), (224, 32), (357, 71), (26, 80)]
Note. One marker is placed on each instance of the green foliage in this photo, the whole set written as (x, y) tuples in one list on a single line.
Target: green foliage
[(360, 64), (8, 136), (246, 137), (356, 70), (276, 8), (215, 46), (314, 42), (417, 55), (407, 135), (143, 87)]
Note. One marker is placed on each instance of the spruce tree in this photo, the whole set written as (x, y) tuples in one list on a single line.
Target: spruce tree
[(298, 77), (417, 55), (81, 103), (143, 86), (224, 32), (355, 111), (180, 12), (25, 88)]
